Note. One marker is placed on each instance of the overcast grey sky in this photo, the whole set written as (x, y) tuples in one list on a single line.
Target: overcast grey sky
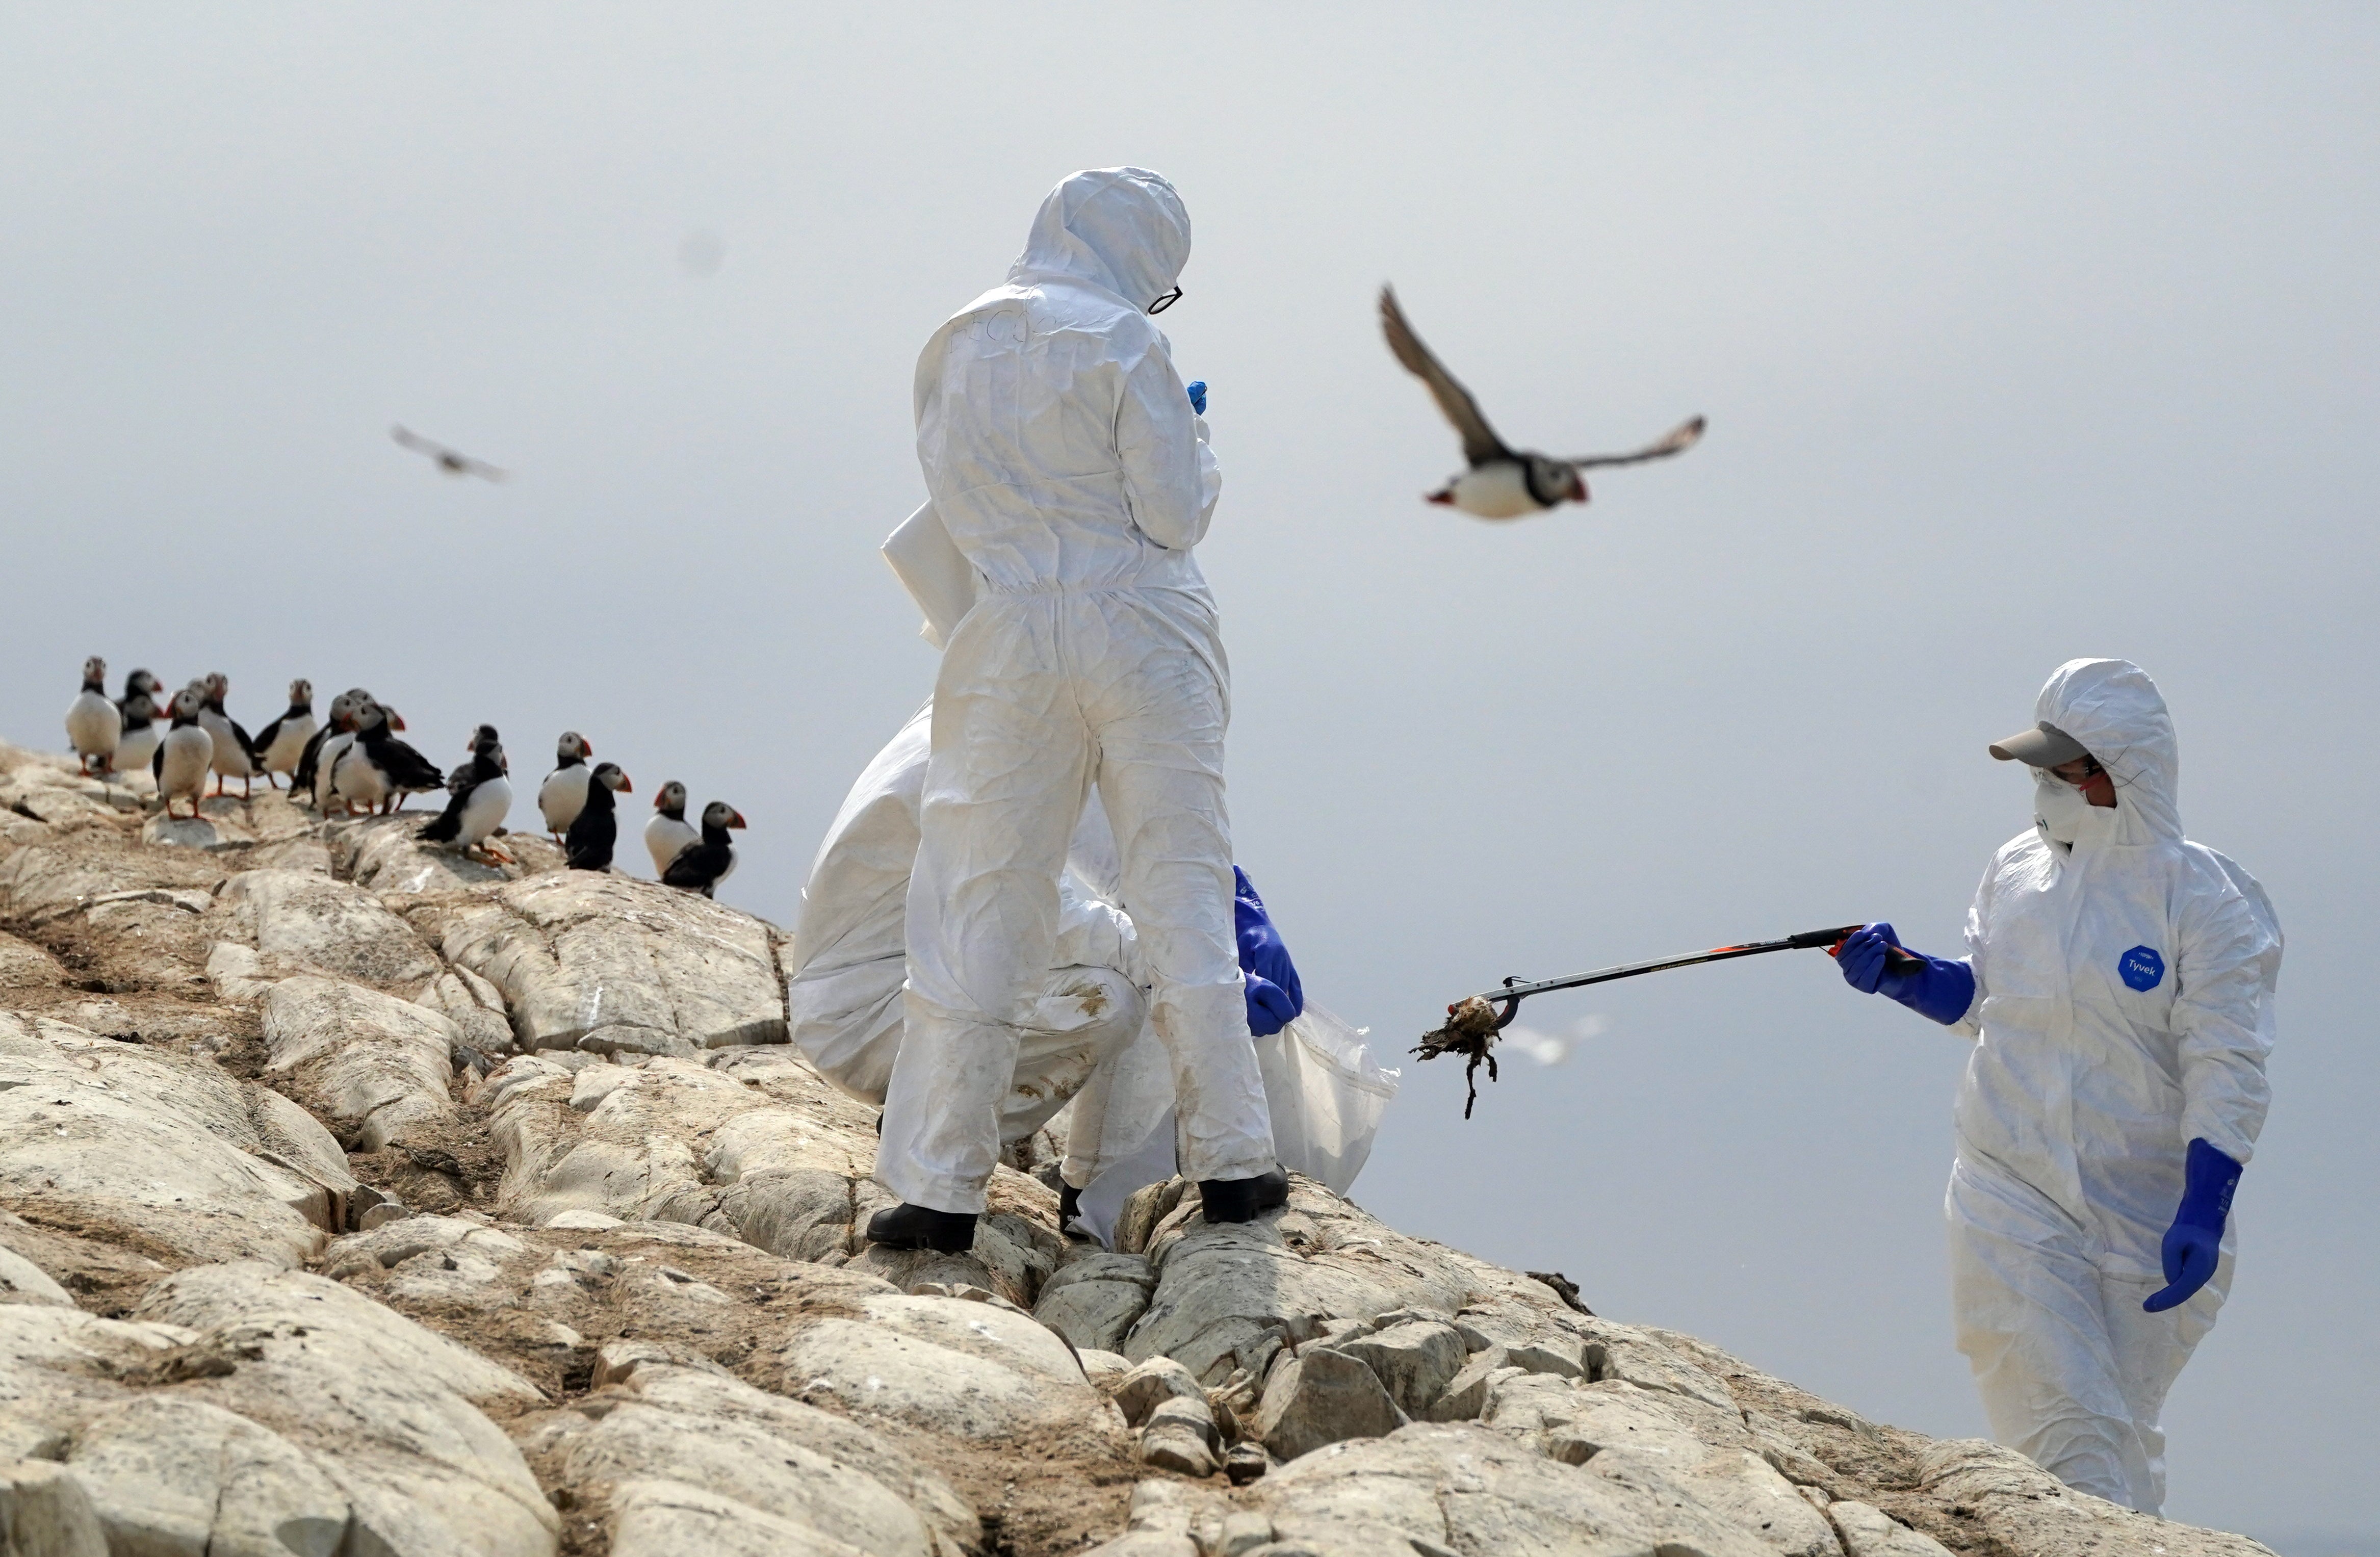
[(2024, 333)]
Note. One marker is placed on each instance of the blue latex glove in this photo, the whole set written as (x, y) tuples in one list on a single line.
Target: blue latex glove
[(2195, 1243), (1198, 395), (1275, 995), (1940, 990)]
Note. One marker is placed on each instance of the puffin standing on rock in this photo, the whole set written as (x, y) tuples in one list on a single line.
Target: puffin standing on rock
[(597, 826), (141, 733), (138, 741), (564, 789), (380, 770), (282, 742), (701, 867), (235, 752), (669, 835), (322, 754), (183, 756), (94, 725), (478, 798)]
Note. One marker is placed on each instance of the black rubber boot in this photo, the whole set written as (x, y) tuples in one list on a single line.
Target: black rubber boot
[(1243, 1200), (916, 1227), (1070, 1206)]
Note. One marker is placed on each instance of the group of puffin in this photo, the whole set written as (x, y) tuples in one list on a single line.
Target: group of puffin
[(354, 763)]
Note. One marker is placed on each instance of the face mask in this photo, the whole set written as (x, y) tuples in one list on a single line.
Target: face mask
[(2065, 816)]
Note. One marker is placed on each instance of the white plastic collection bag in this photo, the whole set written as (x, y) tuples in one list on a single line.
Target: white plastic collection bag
[(1327, 1095)]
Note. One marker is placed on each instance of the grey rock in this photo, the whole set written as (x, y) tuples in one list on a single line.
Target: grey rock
[(113, 1134), (1151, 1384), (171, 1475), (1322, 1397), (965, 1368), (1465, 1396), (1468, 1489), (44, 1513), (383, 1406), (21, 1281), (305, 920), (376, 1064), (1180, 1437), (2020, 1507), (1094, 1300), (1414, 1359), (1868, 1531), (614, 965)]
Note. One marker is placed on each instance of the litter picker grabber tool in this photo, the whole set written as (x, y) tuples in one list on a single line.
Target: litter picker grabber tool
[(1473, 1022)]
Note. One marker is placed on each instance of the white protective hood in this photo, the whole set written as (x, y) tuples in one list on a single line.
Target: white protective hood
[(1122, 229)]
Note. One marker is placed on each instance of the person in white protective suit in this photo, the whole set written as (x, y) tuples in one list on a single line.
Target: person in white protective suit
[(2120, 986), (1066, 462), (846, 991)]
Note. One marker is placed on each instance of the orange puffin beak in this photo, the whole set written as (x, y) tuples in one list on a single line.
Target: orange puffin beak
[(738, 822)]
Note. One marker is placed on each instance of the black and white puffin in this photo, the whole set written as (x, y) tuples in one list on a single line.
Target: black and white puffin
[(669, 835), (379, 770), (137, 741), (1505, 482), (182, 758), (280, 744), (94, 725), (144, 728), (235, 752), (484, 736), (564, 789), (711, 860), (597, 826), (321, 753), (478, 798)]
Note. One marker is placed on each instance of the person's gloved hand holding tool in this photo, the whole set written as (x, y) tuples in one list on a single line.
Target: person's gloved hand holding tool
[(1874, 962), (1198, 395), (2194, 1245), (1275, 995)]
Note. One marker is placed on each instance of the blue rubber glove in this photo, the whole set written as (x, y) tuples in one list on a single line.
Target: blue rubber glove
[(1198, 395), (1269, 1007), (1941, 991), (1275, 995), (2195, 1243)]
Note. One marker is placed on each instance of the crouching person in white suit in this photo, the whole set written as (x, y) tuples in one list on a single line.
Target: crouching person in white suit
[(845, 993)]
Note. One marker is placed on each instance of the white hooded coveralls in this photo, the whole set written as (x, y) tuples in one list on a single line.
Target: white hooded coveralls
[(846, 991), (1068, 467), (2124, 1006)]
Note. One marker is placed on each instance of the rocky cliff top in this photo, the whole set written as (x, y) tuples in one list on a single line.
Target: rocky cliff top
[(359, 1198)]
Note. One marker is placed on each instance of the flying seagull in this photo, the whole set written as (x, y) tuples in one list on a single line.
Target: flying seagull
[(1504, 483), (449, 460)]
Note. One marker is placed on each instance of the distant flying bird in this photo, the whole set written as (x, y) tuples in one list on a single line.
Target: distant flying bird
[(449, 460), (1504, 483)]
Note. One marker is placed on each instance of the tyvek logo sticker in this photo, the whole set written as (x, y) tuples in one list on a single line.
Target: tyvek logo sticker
[(2141, 967)]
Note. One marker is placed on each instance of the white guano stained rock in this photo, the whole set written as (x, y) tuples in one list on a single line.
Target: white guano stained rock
[(44, 1513), (1094, 1299), (383, 1406), (161, 1149), (970, 1369), (1458, 1489), (611, 963), (1868, 1531), (2025, 1509), (372, 1063), (305, 920)]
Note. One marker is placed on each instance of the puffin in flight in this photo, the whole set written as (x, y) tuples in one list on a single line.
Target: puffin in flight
[(451, 461), (596, 828), (701, 867), (1505, 482)]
